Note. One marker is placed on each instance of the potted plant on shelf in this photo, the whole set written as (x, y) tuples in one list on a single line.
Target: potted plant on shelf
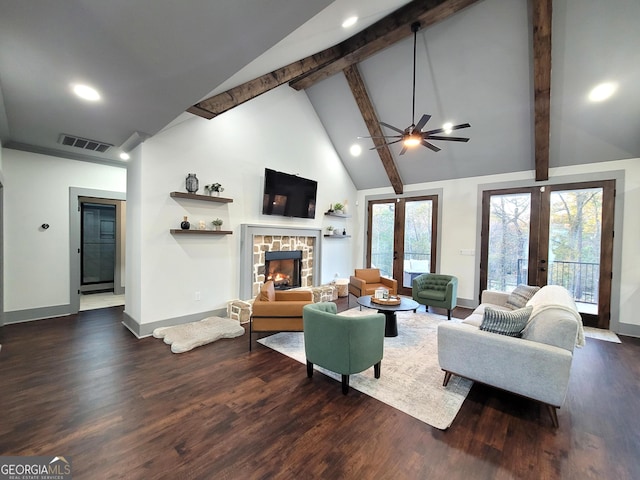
[(217, 223), (338, 208), (330, 230), (214, 188)]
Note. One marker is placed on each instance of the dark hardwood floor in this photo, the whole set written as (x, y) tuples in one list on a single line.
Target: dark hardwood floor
[(84, 387)]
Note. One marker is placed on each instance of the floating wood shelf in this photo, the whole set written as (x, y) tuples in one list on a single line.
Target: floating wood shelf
[(338, 236), (200, 232), (206, 198), (341, 215)]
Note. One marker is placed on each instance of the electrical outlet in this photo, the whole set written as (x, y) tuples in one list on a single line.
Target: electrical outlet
[(196, 296)]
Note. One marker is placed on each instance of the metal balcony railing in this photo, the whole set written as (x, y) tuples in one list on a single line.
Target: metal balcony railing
[(384, 260), (581, 279)]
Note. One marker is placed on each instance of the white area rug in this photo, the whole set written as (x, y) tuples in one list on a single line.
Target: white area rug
[(600, 334), (411, 379), (188, 336)]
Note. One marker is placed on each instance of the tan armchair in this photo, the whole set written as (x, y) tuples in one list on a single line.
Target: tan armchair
[(278, 310), (366, 280)]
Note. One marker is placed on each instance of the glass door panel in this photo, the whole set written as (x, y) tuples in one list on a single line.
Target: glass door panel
[(575, 220), (382, 222), (508, 245), (418, 234)]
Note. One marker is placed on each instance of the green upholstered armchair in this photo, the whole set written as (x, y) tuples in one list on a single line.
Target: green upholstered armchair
[(344, 345), (436, 290)]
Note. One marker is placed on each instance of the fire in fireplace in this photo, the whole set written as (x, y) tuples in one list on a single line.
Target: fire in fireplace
[(283, 268)]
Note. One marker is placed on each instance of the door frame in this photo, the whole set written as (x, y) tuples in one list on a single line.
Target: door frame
[(413, 195), (616, 255), (75, 194)]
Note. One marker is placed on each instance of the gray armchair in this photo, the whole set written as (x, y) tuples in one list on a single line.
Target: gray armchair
[(436, 290), (344, 345)]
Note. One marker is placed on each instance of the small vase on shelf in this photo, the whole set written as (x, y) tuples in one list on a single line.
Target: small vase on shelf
[(185, 225), (192, 183)]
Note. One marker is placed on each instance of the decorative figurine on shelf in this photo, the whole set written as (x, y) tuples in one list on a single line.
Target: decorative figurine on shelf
[(217, 223), (344, 231), (185, 225), (330, 208), (202, 225), (192, 183), (214, 188)]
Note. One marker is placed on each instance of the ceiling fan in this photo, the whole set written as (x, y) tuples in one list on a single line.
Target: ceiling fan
[(413, 134)]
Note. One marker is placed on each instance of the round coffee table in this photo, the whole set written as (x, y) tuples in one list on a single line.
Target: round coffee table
[(391, 324)]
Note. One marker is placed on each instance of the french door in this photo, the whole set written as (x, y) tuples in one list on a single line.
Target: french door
[(556, 235), (401, 238)]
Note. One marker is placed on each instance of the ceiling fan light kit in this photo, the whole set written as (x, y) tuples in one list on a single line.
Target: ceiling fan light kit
[(413, 135)]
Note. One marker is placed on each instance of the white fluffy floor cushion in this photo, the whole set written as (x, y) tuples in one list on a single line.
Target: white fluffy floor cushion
[(188, 336)]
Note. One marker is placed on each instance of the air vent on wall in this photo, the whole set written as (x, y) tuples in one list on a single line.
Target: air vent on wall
[(84, 143)]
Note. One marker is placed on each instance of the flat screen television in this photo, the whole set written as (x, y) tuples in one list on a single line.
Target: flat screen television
[(288, 195)]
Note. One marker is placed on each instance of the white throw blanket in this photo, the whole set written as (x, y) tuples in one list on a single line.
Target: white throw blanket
[(557, 297)]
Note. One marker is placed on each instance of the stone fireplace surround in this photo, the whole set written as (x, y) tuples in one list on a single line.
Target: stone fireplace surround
[(257, 239)]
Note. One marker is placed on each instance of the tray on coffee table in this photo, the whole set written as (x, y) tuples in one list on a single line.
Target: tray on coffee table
[(389, 301)]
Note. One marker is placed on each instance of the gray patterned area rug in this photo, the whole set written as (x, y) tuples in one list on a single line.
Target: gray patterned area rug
[(411, 379)]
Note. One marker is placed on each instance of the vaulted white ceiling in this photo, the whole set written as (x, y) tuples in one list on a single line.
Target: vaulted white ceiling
[(152, 60)]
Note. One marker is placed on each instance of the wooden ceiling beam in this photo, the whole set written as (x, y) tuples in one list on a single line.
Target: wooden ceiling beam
[(384, 33), (542, 84), (217, 104), (309, 70), (373, 125)]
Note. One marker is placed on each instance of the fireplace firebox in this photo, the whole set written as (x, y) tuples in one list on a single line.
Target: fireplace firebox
[(284, 268)]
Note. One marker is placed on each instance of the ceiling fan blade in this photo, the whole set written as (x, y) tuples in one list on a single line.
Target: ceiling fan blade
[(404, 149), (395, 129), (430, 146), (422, 122), (451, 139), (384, 136), (441, 130), (386, 144)]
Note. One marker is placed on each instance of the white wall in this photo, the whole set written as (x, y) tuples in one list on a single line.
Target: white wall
[(278, 130), (36, 268), (461, 227)]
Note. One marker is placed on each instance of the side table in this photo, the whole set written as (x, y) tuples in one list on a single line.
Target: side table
[(343, 286)]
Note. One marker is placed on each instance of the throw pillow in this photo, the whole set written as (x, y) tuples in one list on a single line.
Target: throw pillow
[(520, 296), (268, 292), (506, 322)]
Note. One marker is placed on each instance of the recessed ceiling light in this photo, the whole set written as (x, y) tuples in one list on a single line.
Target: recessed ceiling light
[(355, 150), (86, 92), (349, 22), (447, 127), (124, 156), (602, 92)]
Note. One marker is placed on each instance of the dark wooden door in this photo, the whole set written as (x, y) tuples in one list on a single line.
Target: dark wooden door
[(556, 234)]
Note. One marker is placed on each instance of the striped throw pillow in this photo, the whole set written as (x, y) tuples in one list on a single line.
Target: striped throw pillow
[(506, 322), (520, 296)]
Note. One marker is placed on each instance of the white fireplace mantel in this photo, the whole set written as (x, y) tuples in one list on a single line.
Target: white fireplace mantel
[(247, 234)]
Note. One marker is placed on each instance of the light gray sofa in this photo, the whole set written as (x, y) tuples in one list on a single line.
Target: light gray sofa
[(536, 365)]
